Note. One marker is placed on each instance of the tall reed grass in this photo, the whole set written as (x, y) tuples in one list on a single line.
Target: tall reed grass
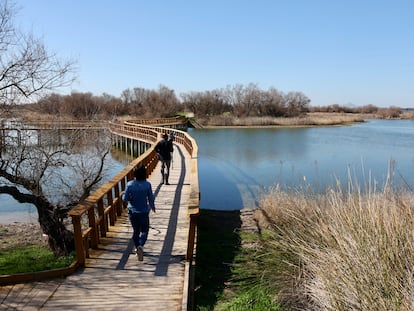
[(343, 250), (310, 119)]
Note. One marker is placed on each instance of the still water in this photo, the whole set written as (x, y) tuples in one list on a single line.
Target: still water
[(237, 166), (12, 211)]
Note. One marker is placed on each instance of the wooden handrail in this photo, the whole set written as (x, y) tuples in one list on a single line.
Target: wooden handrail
[(79, 124), (92, 217), (159, 121), (55, 124)]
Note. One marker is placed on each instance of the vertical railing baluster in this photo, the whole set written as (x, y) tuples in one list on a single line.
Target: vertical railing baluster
[(112, 212), (103, 224)]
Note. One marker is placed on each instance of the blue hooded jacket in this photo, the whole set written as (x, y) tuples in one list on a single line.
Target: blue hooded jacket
[(139, 195)]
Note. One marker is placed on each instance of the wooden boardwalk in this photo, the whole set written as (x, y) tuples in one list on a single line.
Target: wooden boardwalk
[(113, 278)]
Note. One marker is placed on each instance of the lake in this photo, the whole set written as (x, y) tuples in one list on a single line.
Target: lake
[(237, 166), (12, 211)]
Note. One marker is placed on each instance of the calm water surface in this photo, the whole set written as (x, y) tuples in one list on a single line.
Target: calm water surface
[(236, 166), (12, 211)]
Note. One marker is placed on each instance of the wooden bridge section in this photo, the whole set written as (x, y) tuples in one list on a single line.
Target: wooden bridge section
[(108, 275)]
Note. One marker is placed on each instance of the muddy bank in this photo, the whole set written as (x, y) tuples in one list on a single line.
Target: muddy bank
[(21, 234)]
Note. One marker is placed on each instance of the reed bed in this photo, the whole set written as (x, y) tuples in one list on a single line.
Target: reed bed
[(343, 250), (310, 119)]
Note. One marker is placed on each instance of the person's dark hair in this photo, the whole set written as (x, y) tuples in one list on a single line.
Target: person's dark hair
[(165, 136), (140, 173)]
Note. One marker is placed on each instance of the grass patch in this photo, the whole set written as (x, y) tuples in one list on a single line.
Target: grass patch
[(31, 259), (231, 265), (255, 270), (256, 298), (218, 243)]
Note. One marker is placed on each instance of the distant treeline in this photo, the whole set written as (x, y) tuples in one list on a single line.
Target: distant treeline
[(238, 101)]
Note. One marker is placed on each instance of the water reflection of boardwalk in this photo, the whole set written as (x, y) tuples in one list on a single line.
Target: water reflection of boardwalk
[(114, 279)]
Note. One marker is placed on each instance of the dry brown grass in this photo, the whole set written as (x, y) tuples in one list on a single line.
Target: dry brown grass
[(33, 116), (21, 234), (311, 119), (409, 115), (345, 250)]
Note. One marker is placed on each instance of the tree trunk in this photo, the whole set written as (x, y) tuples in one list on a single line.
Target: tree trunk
[(61, 240)]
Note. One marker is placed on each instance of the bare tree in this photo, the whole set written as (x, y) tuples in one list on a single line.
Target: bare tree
[(192, 102), (26, 68), (82, 106), (296, 103), (168, 103), (271, 103), (127, 96), (146, 103), (53, 178), (24, 168)]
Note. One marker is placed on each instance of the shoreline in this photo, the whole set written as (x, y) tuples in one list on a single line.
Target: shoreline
[(310, 120), (7, 218), (278, 126), (21, 234)]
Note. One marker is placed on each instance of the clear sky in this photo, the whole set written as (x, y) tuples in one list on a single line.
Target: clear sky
[(341, 52)]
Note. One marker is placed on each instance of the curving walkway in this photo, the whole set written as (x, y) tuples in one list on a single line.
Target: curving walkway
[(113, 278)]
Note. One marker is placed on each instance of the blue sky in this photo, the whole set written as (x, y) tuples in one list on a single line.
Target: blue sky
[(355, 52)]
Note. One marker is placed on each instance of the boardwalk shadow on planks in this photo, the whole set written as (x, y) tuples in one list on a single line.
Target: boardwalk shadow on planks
[(217, 244)]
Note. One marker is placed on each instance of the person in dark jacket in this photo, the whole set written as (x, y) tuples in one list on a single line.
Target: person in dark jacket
[(164, 148)]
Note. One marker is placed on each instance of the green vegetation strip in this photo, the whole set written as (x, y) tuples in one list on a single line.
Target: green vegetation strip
[(233, 267), (31, 259)]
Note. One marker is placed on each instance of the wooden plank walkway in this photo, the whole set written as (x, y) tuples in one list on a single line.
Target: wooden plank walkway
[(113, 278)]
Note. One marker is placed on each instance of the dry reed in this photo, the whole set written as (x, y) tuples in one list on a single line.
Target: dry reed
[(310, 119), (345, 250)]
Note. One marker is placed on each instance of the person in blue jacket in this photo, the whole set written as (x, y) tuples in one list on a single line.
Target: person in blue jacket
[(138, 193)]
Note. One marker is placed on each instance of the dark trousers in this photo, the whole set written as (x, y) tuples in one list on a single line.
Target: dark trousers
[(165, 170), (140, 225)]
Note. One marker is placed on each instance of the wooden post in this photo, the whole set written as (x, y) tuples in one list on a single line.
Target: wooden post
[(92, 224), (77, 231), (191, 237)]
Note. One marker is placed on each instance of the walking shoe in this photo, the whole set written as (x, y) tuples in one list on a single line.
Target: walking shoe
[(140, 253)]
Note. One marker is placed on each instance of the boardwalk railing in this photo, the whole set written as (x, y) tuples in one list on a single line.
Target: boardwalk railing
[(176, 122), (91, 218), (159, 121), (56, 124)]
